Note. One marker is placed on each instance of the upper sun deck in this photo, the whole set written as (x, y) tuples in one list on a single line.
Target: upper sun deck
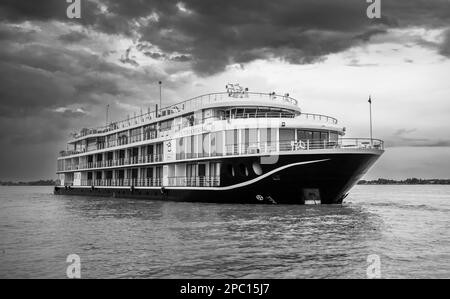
[(212, 100)]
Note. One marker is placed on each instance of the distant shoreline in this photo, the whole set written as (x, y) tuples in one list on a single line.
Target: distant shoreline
[(412, 181), (32, 183)]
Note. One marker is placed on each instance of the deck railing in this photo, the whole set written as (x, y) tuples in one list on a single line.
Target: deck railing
[(191, 104), (146, 136), (153, 182), (241, 149)]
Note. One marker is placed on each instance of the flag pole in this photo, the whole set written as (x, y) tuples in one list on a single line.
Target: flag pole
[(370, 112)]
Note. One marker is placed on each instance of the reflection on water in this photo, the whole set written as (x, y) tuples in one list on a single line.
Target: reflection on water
[(152, 239)]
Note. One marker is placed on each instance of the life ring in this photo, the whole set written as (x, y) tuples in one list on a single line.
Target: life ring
[(163, 190)]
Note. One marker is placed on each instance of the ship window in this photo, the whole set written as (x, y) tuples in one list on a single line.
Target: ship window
[(249, 138), (214, 169), (206, 145), (301, 135), (245, 136), (191, 170), (188, 147), (159, 172), (150, 132), (200, 146), (149, 173), (112, 140), (268, 135), (135, 135), (166, 125), (188, 120), (180, 148), (323, 136), (192, 149), (286, 138), (231, 142), (219, 143), (194, 145), (123, 137), (333, 136), (213, 144), (287, 134), (316, 136)]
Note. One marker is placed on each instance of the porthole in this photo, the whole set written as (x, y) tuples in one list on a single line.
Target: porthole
[(243, 169), (231, 170), (257, 168)]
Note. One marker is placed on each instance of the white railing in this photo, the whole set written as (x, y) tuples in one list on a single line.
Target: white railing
[(241, 149), (154, 182), (191, 104)]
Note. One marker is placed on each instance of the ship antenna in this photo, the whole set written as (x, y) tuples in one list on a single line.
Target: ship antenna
[(107, 115), (160, 95)]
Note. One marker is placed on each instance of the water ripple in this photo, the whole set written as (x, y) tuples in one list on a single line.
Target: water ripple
[(408, 227)]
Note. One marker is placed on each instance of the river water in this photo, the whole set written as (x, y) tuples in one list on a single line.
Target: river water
[(407, 228)]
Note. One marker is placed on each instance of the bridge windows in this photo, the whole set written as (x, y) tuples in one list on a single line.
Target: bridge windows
[(305, 135)]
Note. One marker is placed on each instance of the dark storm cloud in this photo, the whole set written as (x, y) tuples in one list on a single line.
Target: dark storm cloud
[(38, 76), (213, 34), (73, 37), (444, 48), (19, 10), (217, 33)]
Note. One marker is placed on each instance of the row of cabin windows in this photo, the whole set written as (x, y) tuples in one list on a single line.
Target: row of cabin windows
[(151, 172), (212, 144), (147, 150), (192, 170), (151, 131)]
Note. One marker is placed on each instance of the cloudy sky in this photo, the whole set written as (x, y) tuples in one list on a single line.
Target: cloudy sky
[(58, 74)]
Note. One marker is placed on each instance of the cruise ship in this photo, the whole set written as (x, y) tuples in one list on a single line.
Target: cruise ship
[(230, 147)]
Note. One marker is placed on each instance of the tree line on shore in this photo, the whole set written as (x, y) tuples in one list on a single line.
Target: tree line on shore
[(410, 181), (380, 181), (32, 183)]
